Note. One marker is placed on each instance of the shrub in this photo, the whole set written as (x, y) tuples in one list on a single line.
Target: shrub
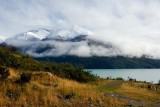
[(74, 73), (4, 73), (119, 78), (24, 78), (131, 79)]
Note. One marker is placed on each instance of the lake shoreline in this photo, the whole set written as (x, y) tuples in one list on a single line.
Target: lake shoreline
[(148, 75)]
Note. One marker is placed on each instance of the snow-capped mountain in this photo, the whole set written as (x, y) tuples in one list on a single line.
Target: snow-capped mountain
[(31, 35), (24, 36), (64, 34), (45, 35), (59, 42)]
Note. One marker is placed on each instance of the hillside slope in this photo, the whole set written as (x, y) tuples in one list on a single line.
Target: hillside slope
[(118, 62), (9, 57), (46, 89)]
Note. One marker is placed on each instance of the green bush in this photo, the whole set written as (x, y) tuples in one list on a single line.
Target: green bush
[(4, 73), (119, 78), (74, 72), (24, 78)]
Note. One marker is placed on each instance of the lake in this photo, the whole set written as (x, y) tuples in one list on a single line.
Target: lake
[(149, 75)]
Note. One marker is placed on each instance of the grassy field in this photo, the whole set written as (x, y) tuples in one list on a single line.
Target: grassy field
[(47, 90)]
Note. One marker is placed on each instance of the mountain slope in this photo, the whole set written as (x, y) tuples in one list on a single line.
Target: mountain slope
[(31, 35), (9, 57), (62, 35), (94, 62)]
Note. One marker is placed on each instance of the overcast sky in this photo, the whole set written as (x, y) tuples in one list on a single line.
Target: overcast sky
[(108, 17), (131, 24)]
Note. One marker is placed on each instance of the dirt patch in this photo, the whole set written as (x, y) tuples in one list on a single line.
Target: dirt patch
[(131, 102)]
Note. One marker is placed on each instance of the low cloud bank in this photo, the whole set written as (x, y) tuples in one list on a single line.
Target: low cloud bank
[(55, 48), (85, 49)]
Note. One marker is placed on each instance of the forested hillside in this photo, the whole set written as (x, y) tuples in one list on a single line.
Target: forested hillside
[(117, 62)]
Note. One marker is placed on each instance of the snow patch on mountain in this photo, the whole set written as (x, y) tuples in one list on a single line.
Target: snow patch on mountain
[(62, 34), (31, 35), (67, 34), (23, 36), (56, 34), (40, 33)]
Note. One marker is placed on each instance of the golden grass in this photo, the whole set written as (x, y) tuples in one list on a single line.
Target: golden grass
[(46, 90), (139, 93), (13, 74), (42, 90)]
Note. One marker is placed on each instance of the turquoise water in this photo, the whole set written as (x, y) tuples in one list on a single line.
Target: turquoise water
[(149, 75)]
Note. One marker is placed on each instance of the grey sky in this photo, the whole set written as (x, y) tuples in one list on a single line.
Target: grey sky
[(133, 25), (125, 17)]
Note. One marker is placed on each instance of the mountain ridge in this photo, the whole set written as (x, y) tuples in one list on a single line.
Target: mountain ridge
[(63, 42), (80, 49), (45, 34)]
